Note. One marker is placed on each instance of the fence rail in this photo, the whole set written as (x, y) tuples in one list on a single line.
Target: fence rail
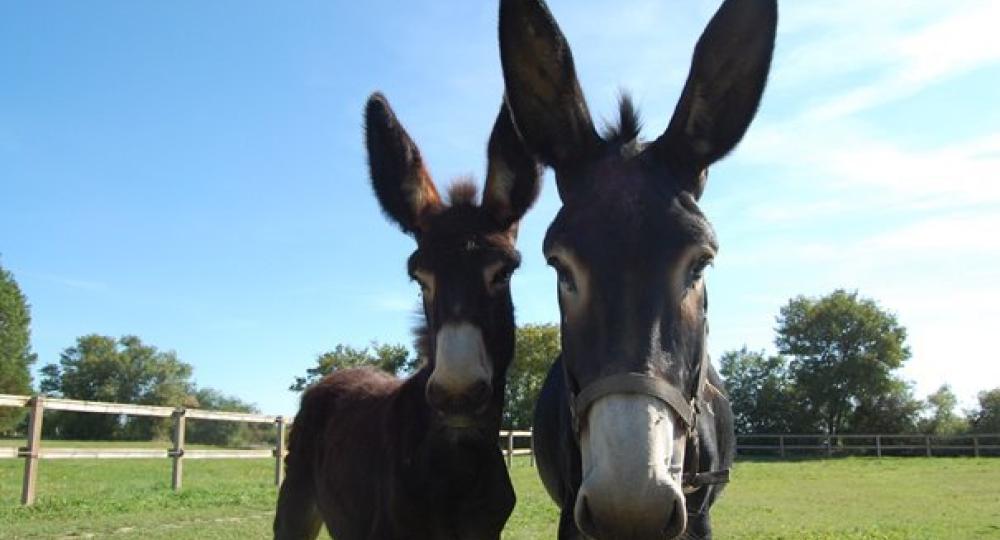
[(509, 451), (33, 451), (877, 444)]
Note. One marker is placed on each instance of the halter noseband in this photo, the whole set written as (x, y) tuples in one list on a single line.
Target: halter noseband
[(686, 408)]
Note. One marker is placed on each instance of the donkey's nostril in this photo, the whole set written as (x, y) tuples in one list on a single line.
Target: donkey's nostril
[(479, 394), (436, 396)]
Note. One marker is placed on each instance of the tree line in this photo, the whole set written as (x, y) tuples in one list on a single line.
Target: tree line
[(836, 371), (104, 368)]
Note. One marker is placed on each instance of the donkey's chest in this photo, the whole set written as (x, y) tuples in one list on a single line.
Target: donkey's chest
[(454, 494)]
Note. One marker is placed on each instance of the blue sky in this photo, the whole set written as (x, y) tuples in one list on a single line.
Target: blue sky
[(194, 173)]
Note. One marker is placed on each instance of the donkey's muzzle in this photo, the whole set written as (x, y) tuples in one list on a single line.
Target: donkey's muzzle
[(460, 384), (465, 401), (630, 489)]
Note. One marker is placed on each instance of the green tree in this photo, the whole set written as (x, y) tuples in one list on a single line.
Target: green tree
[(394, 359), (223, 433), (943, 420), (101, 368), (759, 390), (986, 417), (893, 410), (843, 352), (537, 346), (15, 347)]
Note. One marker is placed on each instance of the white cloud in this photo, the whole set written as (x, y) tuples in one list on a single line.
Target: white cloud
[(852, 165), (956, 44)]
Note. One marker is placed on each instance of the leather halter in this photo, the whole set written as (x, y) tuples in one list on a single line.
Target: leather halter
[(687, 408)]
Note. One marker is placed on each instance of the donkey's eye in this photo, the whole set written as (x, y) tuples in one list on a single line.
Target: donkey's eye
[(698, 270), (497, 275), (502, 277), (566, 282), (425, 279)]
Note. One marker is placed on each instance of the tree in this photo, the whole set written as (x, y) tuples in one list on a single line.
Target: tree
[(394, 359), (986, 418), (893, 411), (843, 352), (101, 368), (759, 390), (943, 420), (537, 346), (15, 347), (223, 433)]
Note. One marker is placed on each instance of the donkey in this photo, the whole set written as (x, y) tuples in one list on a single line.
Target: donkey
[(375, 457), (633, 433)]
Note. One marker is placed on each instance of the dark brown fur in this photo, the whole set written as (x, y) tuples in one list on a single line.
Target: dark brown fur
[(368, 455)]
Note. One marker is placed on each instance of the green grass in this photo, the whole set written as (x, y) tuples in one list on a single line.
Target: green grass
[(853, 498)]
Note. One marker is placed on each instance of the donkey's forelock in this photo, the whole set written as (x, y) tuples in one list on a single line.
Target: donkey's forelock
[(463, 192), (629, 123)]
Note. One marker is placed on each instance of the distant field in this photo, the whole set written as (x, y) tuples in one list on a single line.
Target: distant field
[(854, 498)]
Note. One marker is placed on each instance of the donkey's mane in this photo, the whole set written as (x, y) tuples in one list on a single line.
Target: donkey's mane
[(629, 124)]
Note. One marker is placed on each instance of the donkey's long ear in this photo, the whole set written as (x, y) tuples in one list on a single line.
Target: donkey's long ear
[(543, 92), (513, 177), (723, 90), (401, 182)]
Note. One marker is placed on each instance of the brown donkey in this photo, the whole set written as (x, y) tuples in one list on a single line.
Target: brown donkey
[(375, 457), (633, 435)]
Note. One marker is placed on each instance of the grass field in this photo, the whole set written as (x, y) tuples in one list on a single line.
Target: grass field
[(853, 498)]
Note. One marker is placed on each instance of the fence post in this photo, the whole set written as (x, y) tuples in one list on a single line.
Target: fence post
[(829, 446), (878, 445), (781, 445), (531, 441), (32, 450), (279, 453), (927, 444), (178, 452), (975, 445), (510, 448)]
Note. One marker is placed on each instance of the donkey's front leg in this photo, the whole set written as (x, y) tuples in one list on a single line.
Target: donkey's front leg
[(296, 516), (567, 525)]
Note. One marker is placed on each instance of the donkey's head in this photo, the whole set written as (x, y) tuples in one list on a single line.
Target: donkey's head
[(464, 259), (629, 246)]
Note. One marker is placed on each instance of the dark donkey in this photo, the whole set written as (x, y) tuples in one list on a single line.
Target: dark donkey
[(633, 434), (375, 457)]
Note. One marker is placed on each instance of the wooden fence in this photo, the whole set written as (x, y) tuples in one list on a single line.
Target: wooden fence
[(509, 450), (33, 451), (907, 444), (789, 445)]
